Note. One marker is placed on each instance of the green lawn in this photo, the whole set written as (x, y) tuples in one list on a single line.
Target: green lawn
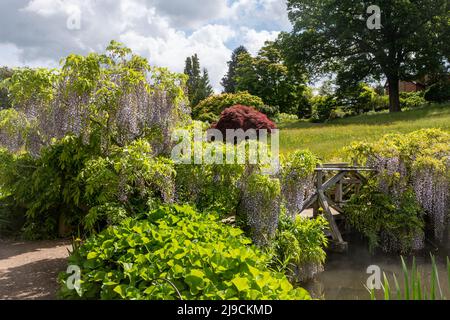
[(327, 140)]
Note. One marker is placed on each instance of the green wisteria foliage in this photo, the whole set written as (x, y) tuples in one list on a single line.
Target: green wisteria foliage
[(417, 163), (114, 98)]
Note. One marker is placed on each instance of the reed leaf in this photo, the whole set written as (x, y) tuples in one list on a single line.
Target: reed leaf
[(448, 272), (397, 288), (415, 286), (406, 277), (386, 288), (435, 281)]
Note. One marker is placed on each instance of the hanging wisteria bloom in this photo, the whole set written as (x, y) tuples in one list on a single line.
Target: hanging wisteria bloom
[(112, 99)]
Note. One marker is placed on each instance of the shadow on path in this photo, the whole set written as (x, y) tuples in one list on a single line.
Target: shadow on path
[(36, 281), (29, 270)]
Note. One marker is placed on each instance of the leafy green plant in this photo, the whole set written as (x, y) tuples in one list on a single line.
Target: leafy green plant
[(126, 182), (208, 178), (357, 99), (296, 177), (415, 285), (416, 162), (5, 73), (411, 100), (115, 98), (174, 252), (259, 207), (210, 187), (284, 117), (395, 225), (12, 219), (299, 245), (272, 112), (32, 189), (71, 184), (210, 109), (322, 108)]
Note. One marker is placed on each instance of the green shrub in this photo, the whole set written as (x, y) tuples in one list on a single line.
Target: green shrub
[(357, 99), (71, 185), (411, 100), (323, 107), (12, 218), (417, 161), (210, 109), (380, 102), (395, 225), (284, 117), (175, 253), (439, 92), (130, 180), (83, 141), (418, 284), (296, 178), (210, 187), (272, 112), (299, 247), (259, 207), (304, 110)]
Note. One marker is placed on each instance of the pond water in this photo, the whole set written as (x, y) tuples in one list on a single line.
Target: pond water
[(345, 274)]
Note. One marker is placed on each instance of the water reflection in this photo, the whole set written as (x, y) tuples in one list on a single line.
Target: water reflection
[(345, 274)]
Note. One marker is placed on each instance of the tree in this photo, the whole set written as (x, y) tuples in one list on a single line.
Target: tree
[(246, 76), (205, 88), (228, 81), (357, 99), (327, 88), (439, 92), (268, 77), (192, 70), (198, 84), (334, 36)]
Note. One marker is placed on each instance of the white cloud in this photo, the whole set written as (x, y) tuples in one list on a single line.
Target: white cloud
[(266, 14), (172, 49), (10, 55), (254, 40), (47, 8), (192, 13), (165, 31)]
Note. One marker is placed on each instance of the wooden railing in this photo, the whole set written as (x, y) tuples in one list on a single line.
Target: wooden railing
[(335, 183)]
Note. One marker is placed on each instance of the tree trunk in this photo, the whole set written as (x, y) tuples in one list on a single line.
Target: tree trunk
[(394, 94)]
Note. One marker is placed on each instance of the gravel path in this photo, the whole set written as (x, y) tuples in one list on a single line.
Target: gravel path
[(28, 270)]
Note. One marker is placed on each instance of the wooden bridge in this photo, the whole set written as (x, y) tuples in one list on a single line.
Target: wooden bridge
[(335, 184)]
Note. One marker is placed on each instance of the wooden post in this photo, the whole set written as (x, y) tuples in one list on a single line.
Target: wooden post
[(336, 234), (338, 193), (319, 181), (347, 180)]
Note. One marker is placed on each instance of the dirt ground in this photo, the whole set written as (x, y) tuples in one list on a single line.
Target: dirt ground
[(28, 270)]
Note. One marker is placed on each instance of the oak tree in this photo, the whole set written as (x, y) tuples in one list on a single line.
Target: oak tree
[(342, 37)]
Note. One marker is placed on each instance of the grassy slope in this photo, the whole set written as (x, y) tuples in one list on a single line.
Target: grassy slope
[(327, 140)]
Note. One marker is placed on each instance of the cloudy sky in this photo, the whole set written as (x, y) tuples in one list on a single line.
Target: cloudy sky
[(41, 32)]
